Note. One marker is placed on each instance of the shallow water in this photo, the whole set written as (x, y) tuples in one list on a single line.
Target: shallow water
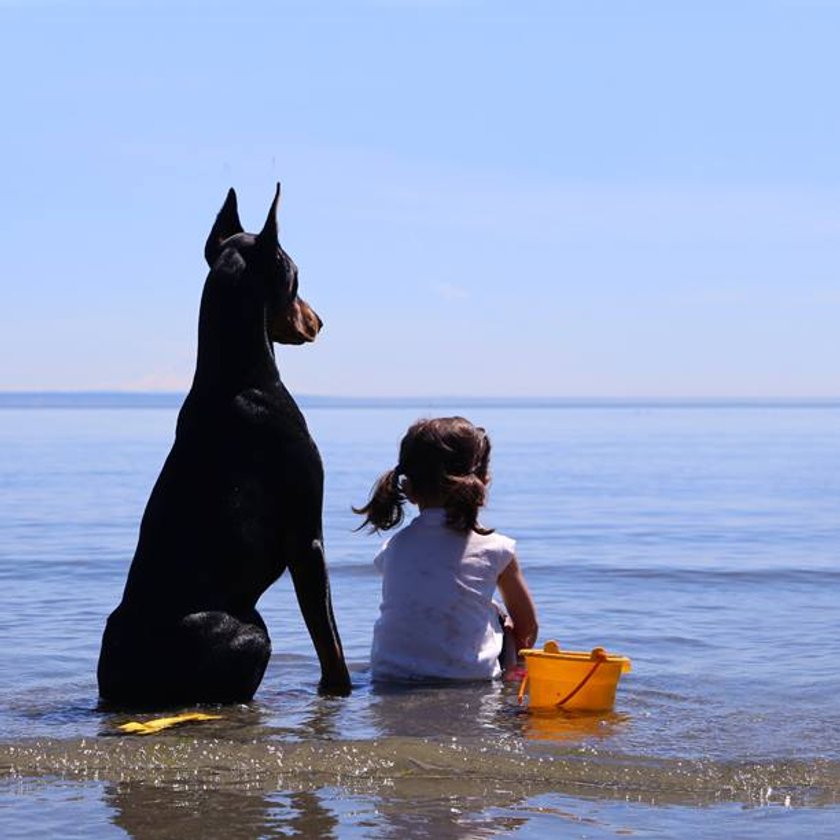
[(700, 540)]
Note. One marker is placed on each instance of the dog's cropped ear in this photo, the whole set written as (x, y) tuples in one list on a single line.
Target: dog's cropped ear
[(267, 238), (226, 225)]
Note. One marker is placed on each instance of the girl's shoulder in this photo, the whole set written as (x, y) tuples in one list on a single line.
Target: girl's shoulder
[(491, 553), (494, 542), (394, 543)]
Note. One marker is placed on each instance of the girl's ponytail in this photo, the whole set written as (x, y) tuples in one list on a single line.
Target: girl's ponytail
[(465, 494), (385, 508)]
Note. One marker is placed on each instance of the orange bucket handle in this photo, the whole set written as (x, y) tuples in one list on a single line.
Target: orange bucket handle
[(600, 657)]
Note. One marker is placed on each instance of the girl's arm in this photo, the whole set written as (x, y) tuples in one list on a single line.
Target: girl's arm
[(519, 605)]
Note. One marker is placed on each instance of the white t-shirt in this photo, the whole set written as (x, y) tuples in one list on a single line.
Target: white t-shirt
[(437, 619)]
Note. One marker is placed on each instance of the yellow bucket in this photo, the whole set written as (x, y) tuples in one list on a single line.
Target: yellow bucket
[(571, 679)]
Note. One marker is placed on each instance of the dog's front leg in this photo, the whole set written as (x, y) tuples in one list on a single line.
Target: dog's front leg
[(309, 575)]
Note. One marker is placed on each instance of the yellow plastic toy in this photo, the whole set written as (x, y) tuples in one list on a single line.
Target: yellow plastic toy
[(570, 679), (150, 727)]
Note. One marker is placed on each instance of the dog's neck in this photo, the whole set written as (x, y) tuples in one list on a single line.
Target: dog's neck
[(234, 350)]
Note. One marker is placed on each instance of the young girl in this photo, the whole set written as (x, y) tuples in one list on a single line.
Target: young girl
[(437, 618)]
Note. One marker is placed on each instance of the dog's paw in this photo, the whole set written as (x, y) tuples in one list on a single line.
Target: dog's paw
[(341, 687)]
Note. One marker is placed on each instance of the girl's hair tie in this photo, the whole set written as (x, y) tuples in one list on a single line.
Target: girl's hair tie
[(395, 478)]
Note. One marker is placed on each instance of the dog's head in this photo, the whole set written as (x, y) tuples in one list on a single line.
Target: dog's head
[(290, 319)]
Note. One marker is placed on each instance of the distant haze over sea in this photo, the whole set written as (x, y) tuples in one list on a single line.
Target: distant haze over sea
[(173, 399)]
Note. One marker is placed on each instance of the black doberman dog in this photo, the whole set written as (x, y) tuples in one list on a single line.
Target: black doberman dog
[(237, 502)]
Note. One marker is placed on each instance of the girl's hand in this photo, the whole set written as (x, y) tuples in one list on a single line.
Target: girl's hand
[(516, 674)]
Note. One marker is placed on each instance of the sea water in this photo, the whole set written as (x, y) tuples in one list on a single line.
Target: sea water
[(700, 539)]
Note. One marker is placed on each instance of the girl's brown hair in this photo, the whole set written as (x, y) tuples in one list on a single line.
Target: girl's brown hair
[(445, 461)]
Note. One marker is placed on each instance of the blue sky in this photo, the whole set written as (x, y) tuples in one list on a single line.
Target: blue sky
[(557, 198)]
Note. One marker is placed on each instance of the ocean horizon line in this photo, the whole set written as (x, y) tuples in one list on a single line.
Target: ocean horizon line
[(85, 399)]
